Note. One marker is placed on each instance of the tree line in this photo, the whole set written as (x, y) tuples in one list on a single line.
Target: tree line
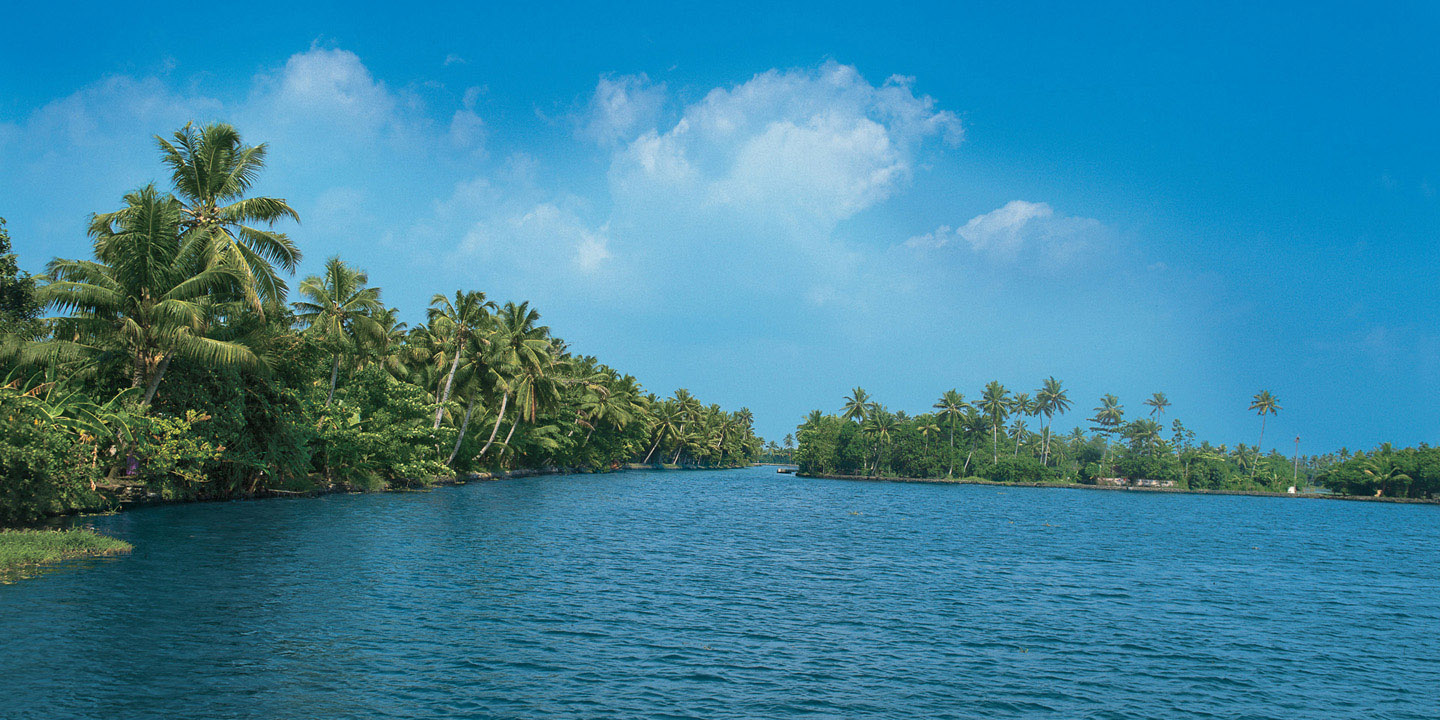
[(174, 362), (1006, 436)]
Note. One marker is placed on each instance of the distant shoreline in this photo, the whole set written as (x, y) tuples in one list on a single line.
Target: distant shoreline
[(1079, 486)]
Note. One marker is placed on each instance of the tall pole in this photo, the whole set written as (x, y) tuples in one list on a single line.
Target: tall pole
[(1296, 481)]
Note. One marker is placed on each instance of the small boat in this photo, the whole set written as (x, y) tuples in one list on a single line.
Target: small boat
[(787, 471)]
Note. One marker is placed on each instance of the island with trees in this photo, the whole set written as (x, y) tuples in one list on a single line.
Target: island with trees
[(1006, 436)]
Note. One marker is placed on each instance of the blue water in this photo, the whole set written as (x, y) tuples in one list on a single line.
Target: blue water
[(738, 594)]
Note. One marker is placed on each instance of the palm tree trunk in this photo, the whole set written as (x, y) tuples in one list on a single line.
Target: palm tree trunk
[(1258, 449), (445, 397), (504, 400), (508, 435), (334, 376), (994, 443), (469, 408), (658, 437), (1045, 451), (950, 471), (154, 383)]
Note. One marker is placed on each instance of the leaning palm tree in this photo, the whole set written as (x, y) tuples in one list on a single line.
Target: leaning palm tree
[(213, 170), (1049, 400), (340, 309), (143, 293), (520, 356), (668, 423), (951, 405), (460, 321), (1263, 404)]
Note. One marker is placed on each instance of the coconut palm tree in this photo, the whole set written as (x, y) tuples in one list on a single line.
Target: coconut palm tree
[(212, 170), (951, 406), (146, 293), (928, 429), (1050, 400), (522, 357), (1263, 404), (1019, 431), (1382, 473), (1145, 433), (973, 424), (995, 403), (880, 426), (857, 405), (1158, 403), (460, 321), (668, 423), (1109, 417), (340, 309)]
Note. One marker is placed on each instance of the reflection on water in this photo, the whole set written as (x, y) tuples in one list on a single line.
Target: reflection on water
[(738, 594)]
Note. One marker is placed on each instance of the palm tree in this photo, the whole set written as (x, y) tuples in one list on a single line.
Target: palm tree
[(951, 405), (521, 356), (668, 423), (212, 170), (995, 403), (928, 430), (1263, 404), (390, 350), (1158, 403), (857, 405), (460, 321), (1146, 434), (340, 309), (146, 293), (1108, 419), (973, 424), (1023, 407), (880, 426), (1384, 473), (1018, 429), (1049, 400)]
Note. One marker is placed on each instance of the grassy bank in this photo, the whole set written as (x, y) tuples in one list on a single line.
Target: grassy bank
[(21, 549)]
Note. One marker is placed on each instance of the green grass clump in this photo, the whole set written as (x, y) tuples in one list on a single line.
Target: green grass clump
[(22, 548)]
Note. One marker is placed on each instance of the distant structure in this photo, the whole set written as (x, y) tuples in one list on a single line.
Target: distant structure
[(1137, 482)]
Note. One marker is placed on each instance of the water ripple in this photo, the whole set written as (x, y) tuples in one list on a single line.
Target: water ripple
[(739, 595)]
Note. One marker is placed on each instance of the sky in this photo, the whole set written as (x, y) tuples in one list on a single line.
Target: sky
[(770, 207)]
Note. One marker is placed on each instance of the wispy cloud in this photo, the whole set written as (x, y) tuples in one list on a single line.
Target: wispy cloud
[(1019, 229)]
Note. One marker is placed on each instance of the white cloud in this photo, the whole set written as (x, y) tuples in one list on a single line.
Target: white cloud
[(621, 107), (813, 146), (467, 130), (1017, 229)]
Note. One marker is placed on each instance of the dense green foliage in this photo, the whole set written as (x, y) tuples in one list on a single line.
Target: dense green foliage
[(1386, 472), (172, 366), (992, 438)]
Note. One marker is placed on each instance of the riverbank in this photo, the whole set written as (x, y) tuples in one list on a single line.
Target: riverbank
[(21, 550), (1115, 488)]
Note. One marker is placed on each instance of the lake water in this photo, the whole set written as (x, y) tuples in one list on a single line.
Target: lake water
[(738, 594)]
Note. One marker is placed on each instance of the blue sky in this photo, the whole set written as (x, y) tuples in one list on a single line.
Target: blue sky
[(771, 207)]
